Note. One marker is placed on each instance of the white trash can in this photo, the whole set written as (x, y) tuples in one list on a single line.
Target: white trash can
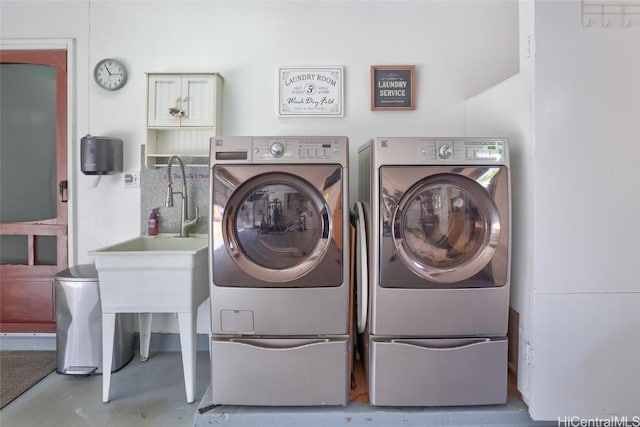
[(79, 324)]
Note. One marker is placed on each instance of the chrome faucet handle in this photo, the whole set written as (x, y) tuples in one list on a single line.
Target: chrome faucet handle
[(194, 219), (191, 221)]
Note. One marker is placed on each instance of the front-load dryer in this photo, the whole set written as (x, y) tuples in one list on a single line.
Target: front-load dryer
[(279, 270), (438, 214)]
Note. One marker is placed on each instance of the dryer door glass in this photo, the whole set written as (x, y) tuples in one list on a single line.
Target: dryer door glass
[(446, 228)]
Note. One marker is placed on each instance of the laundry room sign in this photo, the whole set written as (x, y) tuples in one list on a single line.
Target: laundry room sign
[(393, 87), (310, 92)]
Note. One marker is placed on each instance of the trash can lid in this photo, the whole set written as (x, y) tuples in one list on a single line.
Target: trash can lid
[(83, 272)]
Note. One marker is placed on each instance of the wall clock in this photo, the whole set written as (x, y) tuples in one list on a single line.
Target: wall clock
[(110, 74)]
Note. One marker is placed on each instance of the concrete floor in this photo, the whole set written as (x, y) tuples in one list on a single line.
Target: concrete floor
[(152, 394), (512, 414), (141, 394)]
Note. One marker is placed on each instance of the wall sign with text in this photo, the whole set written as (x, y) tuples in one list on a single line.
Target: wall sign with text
[(310, 92), (393, 87)]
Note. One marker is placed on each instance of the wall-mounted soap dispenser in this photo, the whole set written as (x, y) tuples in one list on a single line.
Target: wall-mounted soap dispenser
[(100, 155)]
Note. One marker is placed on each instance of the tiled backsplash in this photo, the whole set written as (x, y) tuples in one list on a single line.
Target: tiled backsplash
[(153, 192)]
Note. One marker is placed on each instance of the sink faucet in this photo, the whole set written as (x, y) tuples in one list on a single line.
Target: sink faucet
[(185, 222)]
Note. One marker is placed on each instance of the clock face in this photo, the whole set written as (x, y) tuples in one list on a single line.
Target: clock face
[(110, 74)]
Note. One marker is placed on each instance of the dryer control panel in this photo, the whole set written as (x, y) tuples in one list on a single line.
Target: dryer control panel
[(462, 150)]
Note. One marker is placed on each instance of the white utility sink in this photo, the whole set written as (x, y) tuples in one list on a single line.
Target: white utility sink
[(157, 243), (148, 275), (156, 274)]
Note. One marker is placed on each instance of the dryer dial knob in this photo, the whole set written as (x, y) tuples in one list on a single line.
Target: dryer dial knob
[(277, 149), (445, 151)]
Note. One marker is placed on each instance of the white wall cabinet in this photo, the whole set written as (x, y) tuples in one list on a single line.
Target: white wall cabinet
[(183, 112)]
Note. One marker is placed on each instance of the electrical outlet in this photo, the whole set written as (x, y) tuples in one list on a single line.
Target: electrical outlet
[(132, 179)]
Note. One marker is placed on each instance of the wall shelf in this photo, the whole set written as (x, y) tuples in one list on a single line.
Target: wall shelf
[(183, 113)]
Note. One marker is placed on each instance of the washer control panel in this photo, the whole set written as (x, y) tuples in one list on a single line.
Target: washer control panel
[(462, 150), (279, 150), (296, 149), (445, 151)]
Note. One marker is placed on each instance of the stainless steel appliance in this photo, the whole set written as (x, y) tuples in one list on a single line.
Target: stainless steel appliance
[(437, 214), (279, 270), (79, 325)]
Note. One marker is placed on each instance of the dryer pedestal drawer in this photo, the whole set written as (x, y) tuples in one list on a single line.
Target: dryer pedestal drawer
[(437, 372), (280, 371)]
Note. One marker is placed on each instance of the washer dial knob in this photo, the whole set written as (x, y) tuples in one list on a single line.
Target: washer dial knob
[(277, 149), (445, 151)]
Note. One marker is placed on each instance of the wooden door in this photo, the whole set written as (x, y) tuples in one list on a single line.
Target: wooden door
[(33, 241)]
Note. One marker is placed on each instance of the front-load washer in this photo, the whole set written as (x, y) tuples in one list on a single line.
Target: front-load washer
[(279, 264), (438, 221)]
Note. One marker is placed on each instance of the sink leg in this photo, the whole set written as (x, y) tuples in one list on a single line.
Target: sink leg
[(145, 334), (187, 325), (108, 331)]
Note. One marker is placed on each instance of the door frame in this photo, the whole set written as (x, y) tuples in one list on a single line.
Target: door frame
[(69, 46)]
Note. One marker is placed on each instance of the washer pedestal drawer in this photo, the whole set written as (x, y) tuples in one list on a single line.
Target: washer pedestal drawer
[(280, 371), (437, 372)]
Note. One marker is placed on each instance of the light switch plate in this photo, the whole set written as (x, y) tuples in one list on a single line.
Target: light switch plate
[(132, 179)]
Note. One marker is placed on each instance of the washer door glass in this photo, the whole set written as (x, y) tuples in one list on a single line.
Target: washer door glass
[(280, 228), (446, 228)]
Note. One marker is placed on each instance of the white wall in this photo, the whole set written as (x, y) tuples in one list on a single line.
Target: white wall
[(586, 342), (459, 49), (587, 110)]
